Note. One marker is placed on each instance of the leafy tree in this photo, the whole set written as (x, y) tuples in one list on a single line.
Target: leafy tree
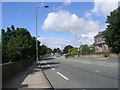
[(8, 29), (17, 44), (42, 50), (65, 50), (49, 50), (55, 50), (74, 52), (85, 49), (58, 50), (112, 32), (12, 27)]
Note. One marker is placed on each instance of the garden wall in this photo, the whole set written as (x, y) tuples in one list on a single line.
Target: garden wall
[(11, 69)]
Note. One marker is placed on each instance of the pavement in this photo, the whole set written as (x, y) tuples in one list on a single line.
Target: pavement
[(81, 72), (32, 77)]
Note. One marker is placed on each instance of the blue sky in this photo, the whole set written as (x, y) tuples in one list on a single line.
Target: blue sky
[(22, 14)]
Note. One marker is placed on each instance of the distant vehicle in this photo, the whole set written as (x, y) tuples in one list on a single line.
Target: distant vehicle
[(65, 56)]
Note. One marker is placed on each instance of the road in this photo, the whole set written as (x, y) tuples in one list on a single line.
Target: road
[(81, 72)]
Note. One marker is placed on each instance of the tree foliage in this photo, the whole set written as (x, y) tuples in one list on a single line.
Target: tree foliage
[(85, 49), (56, 50), (17, 44), (73, 51), (112, 32), (65, 50), (43, 50)]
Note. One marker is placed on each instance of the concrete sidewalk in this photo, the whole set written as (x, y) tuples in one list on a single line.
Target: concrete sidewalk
[(32, 77)]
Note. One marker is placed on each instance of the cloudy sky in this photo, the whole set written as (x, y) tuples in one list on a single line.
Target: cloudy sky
[(63, 23)]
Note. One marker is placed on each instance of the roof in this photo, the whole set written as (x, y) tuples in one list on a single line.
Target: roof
[(99, 33)]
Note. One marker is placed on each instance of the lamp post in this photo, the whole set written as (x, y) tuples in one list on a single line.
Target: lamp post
[(37, 30), (80, 43)]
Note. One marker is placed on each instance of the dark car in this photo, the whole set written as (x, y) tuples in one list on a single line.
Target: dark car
[(66, 56)]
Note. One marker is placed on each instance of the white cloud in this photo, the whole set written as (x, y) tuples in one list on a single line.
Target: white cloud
[(67, 2), (88, 14), (88, 38), (52, 43), (65, 22), (102, 7)]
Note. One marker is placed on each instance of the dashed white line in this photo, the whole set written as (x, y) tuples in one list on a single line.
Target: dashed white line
[(53, 69), (62, 76), (89, 63), (44, 61), (96, 70)]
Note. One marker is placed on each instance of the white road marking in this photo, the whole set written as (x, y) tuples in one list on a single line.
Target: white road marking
[(62, 76), (48, 65), (45, 62), (88, 63), (96, 70), (53, 69), (65, 63)]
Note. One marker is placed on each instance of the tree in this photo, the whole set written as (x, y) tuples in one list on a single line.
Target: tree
[(12, 27), (17, 45), (112, 32), (74, 52), (49, 50), (42, 50), (85, 49), (58, 50), (54, 51), (65, 50)]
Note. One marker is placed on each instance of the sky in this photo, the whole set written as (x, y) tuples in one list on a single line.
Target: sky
[(63, 23)]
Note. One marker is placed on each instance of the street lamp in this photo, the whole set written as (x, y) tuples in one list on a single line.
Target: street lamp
[(80, 43), (37, 30)]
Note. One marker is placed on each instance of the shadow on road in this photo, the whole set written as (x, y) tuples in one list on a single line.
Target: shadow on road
[(51, 64), (47, 67), (48, 58)]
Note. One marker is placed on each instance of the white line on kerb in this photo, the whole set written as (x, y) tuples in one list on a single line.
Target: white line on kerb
[(62, 76)]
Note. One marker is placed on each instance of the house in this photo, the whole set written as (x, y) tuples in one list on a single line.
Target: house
[(92, 47), (100, 44)]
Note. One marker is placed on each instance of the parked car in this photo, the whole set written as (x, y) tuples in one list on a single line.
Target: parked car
[(66, 56)]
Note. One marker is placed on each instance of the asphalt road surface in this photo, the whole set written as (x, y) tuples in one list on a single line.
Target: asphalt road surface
[(81, 72)]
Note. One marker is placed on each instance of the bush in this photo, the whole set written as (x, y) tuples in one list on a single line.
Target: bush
[(74, 52)]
